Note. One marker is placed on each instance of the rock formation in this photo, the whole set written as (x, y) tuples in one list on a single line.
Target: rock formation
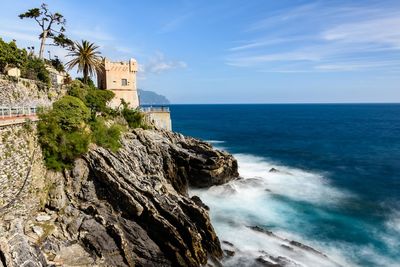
[(128, 208)]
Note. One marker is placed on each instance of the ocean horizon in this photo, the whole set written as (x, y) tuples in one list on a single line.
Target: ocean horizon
[(326, 175)]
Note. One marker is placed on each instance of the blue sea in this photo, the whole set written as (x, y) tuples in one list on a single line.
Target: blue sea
[(337, 184)]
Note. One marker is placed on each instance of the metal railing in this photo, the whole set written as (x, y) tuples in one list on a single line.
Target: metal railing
[(12, 112), (154, 109)]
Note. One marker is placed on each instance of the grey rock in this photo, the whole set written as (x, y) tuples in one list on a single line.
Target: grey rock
[(43, 218), (130, 207), (37, 230)]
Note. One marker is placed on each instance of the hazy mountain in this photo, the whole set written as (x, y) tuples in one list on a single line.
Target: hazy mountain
[(151, 98)]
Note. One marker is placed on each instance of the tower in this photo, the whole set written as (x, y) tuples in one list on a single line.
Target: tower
[(119, 77)]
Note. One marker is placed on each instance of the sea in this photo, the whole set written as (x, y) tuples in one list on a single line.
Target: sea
[(324, 175)]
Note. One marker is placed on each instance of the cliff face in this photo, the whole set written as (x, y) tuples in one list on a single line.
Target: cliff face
[(128, 208), (26, 93)]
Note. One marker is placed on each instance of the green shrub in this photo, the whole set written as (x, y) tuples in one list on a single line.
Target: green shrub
[(95, 99), (57, 64), (35, 69), (11, 55), (133, 117), (71, 113), (63, 132), (108, 137), (78, 89)]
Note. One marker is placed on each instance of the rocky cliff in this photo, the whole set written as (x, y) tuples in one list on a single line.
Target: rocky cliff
[(129, 208), (26, 93)]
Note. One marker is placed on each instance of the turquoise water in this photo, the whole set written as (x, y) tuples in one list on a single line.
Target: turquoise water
[(338, 188)]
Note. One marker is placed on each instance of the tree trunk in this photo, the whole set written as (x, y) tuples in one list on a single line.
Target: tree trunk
[(85, 74), (42, 44)]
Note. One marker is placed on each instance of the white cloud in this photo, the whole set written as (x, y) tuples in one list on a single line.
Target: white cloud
[(322, 37), (383, 31), (159, 63)]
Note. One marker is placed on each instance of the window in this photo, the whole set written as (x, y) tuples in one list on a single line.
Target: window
[(124, 82)]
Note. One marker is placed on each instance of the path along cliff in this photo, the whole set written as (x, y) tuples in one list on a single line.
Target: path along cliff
[(128, 208)]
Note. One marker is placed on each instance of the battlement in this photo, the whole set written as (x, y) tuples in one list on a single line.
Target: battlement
[(121, 66)]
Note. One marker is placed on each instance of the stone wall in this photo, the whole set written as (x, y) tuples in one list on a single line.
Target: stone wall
[(23, 92), (21, 169)]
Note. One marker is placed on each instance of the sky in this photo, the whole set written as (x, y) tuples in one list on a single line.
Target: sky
[(228, 51)]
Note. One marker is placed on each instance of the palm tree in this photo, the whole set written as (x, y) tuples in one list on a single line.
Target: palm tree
[(87, 57)]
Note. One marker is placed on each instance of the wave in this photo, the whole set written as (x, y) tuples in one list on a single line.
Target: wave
[(215, 141), (285, 204)]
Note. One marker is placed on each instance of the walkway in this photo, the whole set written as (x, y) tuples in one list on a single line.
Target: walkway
[(17, 115)]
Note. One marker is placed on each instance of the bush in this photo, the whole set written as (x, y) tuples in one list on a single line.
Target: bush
[(104, 136), (57, 64), (133, 117), (35, 69), (71, 113), (97, 100), (11, 55), (94, 98), (63, 132)]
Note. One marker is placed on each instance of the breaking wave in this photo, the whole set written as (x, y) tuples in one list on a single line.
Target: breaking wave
[(272, 214)]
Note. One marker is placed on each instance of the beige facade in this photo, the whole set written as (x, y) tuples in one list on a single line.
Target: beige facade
[(160, 117), (120, 77), (57, 77)]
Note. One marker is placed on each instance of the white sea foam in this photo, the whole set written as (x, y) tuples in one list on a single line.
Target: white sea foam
[(215, 141), (261, 198), (290, 182)]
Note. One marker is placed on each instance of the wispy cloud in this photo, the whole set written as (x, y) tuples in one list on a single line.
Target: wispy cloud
[(381, 31), (158, 64), (96, 34), (323, 37), (175, 23)]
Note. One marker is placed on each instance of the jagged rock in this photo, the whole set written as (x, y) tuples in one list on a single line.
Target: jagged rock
[(200, 203), (131, 207), (56, 197), (21, 252), (43, 218), (37, 230)]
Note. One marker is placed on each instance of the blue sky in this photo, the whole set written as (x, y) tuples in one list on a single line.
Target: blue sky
[(227, 51)]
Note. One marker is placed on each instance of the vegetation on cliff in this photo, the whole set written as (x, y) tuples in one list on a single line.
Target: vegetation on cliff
[(80, 118), (31, 67)]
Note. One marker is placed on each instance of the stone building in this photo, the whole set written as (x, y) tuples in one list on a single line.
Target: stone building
[(120, 77)]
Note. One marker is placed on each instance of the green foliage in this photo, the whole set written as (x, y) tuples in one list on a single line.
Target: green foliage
[(11, 55), (133, 117), (95, 99), (71, 113), (57, 64), (86, 57), (66, 131), (104, 136), (51, 27), (77, 89), (35, 69), (63, 132), (89, 81)]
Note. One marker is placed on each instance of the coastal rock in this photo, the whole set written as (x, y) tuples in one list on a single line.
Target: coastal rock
[(127, 208)]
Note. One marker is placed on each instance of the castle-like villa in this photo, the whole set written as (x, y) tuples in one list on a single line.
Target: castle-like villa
[(120, 77)]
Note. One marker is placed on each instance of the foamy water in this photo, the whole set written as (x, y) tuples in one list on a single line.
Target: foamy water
[(284, 200)]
